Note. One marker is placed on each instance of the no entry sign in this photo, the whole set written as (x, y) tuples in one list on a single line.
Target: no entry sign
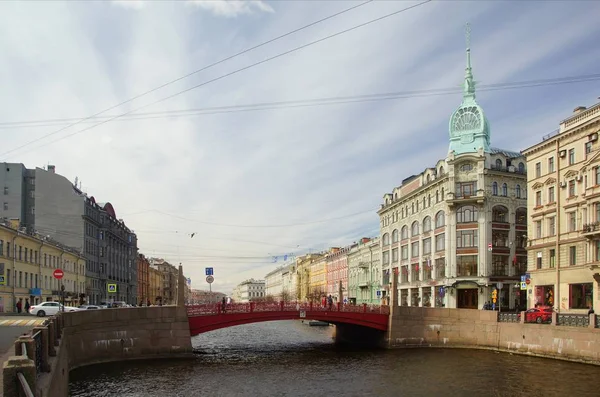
[(58, 274)]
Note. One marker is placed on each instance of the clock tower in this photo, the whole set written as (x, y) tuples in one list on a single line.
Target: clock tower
[(469, 128)]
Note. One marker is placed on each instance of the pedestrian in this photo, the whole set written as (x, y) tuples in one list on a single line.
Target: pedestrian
[(19, 305), (223, 303), (27, 305), (591, 311), (330, 301)]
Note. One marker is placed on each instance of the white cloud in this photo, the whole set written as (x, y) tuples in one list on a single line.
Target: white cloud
[(273, 167), (233, 8), (132, 4)]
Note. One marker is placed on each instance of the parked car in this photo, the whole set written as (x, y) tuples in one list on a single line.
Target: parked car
[(540, 314), (50, 309), (88, 307)]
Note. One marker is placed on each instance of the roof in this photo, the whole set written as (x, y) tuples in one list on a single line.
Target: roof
[(507, 153)]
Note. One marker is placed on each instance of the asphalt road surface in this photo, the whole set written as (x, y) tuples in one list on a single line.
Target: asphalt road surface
[(11, 327)]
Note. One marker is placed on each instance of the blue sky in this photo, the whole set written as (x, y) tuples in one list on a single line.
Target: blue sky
[(169, 177)]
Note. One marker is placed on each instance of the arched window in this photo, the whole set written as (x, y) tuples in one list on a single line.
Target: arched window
[(386, 239), (500, 214), (413, 208), (424, 202), (396, 196), (429, 200), (494, 188), (518, 191), (441, 170), (414, 229), (426, 224), (440, 219), (437, 196), (521, 216), (466, 214), (498, 164), (427, 178), (404, 232), (395, 236), (521, 168), (504, 190), (443, 197)]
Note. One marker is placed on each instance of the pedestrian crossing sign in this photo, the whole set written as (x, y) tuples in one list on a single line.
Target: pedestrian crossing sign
[(2, 280), (112, 288)]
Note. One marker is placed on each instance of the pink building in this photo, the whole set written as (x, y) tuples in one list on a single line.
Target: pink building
[(337, 271)]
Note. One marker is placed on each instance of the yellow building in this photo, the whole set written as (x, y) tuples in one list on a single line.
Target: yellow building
[(564, 214), (27, 264), (155, 285), (318, 278)]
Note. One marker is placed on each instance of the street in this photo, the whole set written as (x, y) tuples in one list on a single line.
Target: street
[(13, 326)]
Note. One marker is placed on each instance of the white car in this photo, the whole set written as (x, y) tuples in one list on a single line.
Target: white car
[(50, 309)]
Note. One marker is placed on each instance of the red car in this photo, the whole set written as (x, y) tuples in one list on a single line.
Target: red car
[(540, 314)]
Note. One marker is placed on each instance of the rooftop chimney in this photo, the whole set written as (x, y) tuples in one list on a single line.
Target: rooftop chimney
[(52, 168), (579, 109)]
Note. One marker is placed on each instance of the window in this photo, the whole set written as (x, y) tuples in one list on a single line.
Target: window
[(551, 164), (466, 238), (404, 232), (500, 214), (571, 216), (386, 239), (427, 246), (538, 199), (1, 248), (395, 255), (32, 210), (552, 258), (500, 238), (538, 229), (571, 156), (440, 242), (538, 170), (414, 231), (404, 252), (466, 167), (518, 191), (572, 188), (466, 189), (5, 206), (466, 265), (504, 190), (495, 188), (538, 261), (32, 194), (395, 236), (572, 256), (440, 219), (521, 216), (498, 164), (552, 226), (551, 197), (588, 148), (414, 249), (597, 178), (521, 168), (426, 224), (466, 214), (5, 190), (580, 295)]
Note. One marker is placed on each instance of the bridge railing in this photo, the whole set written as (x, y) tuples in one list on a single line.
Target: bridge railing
[(254, 307)]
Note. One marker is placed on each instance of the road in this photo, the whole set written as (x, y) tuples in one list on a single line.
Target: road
[(13, 326)]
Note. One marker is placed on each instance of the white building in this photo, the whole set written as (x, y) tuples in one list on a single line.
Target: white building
[(457, 230), (249, 290), (280, 283), (274, 283)]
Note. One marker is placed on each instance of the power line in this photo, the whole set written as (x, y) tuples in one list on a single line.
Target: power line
[(308, 102), (217, 78), (193, 73)]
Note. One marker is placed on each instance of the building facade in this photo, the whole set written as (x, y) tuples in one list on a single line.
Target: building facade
[(280, 284), (318, 278), (155, 282), (458, 230), (364, 273), (27, 265), (564, 215), (53, 206), (249, 291), (168, 274), (143, 281), (337, 272), (201, 297), (303, 276), (274, 283)]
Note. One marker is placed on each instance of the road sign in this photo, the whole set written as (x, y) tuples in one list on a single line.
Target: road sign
[(209, 271), (2, 280), (302, 314), (489, 246), (523, 286), (378, 293), (210, 279), (58, 274), (111, 288), (499, 285), (523, 278), (189, 280), (528, 281)]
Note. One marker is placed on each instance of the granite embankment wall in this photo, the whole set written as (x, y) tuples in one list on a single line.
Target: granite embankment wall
[(97, 336), (466, 328)]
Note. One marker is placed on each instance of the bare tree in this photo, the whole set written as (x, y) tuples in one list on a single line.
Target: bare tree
[(286, 296), (268, 299)]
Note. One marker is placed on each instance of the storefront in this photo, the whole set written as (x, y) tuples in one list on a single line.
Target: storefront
[(467, 295), (544, 295), (581, 295)]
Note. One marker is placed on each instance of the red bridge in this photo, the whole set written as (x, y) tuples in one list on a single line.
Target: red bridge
[(204, 318)]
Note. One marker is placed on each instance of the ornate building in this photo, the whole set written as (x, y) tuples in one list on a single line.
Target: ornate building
[(457, 230), (564, 208)]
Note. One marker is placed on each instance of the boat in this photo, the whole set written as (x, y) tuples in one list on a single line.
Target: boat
[(316, 323)]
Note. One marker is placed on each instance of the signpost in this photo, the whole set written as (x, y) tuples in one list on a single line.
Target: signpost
[(209, 280), (59, 274), (209, 271)]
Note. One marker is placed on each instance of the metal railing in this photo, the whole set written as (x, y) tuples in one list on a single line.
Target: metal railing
[(24, 385), (37, 337), (255, 307), (573, 320), (508, 317)]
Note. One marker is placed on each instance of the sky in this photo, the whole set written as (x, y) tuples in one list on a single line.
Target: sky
[(254, 183)]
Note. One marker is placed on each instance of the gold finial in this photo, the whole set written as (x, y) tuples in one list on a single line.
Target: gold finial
[(468, 34)]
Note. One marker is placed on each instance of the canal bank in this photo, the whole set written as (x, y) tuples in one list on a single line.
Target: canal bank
[(289, 358)]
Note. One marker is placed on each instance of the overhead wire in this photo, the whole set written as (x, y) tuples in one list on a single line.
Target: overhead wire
[(193, 73), (217, 78), (310, 102)]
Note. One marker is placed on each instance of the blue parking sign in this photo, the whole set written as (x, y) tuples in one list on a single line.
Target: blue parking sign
[(209, 271)]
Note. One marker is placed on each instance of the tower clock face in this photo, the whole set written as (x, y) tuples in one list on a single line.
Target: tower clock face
[(467, 119)]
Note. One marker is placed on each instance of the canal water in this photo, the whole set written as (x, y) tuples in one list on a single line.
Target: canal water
[(289, 358)]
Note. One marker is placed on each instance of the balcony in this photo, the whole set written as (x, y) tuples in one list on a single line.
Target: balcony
[(364, 265), (464, 198), (591, 230), (511, 169)]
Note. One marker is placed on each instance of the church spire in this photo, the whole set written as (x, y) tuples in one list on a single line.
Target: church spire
[(469, 85)]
